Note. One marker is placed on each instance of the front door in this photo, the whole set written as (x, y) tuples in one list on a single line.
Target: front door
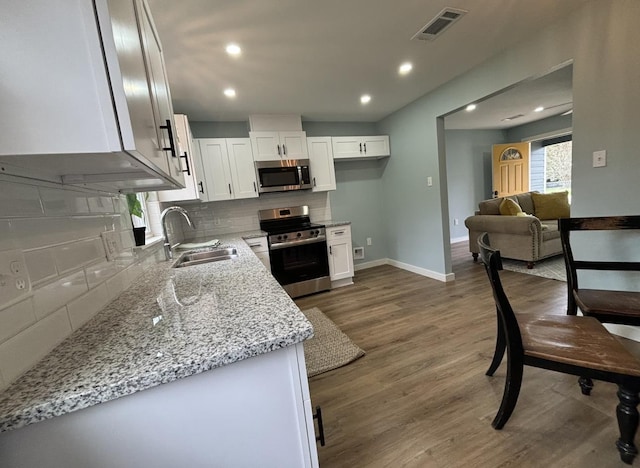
[(510, 169)]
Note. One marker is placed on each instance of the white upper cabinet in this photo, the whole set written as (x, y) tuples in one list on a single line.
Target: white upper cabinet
[(270, 146), (323, 174), (228, 168), (361, 147), (88, 100), (191, 165)]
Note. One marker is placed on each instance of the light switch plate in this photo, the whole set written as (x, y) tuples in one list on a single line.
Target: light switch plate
[(110, 243), (600, 158), (15, 283)]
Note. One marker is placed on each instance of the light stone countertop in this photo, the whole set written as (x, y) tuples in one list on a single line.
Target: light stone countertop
[(332, 223), (207, 316)]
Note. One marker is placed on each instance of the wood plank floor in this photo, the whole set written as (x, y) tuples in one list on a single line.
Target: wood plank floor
[(419, 397)]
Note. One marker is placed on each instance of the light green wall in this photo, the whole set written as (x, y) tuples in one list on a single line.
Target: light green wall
[(339, 128), (541, 127), (468, 173), (606, 97)]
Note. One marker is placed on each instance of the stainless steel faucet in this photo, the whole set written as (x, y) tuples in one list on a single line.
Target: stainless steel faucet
[(168, 253)]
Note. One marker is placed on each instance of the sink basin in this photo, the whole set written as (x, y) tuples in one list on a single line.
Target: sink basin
[(207, 256)]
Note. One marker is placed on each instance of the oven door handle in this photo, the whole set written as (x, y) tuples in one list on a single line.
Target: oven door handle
[(298, 242)]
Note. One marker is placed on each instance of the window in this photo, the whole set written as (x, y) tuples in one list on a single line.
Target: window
[(557, 163)]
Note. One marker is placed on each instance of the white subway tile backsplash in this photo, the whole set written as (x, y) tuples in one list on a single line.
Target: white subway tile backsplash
[(16, 318), (72, 256), (19, 200), (63, 202), (84, 308), (31, 233), (40, 265), (101, 204), (7, 241), (97, 274), (117, 284), (126, 240), (22, 351), (62, 291)]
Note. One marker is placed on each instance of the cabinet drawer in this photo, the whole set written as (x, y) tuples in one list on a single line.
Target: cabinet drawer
[(258, 244), (340, 232)]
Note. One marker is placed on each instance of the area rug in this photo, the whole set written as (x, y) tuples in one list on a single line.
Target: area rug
[(552, 268), (329, 348)]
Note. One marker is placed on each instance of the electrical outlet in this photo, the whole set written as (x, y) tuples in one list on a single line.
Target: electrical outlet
[(15, 284), (429, 181), (456, 221), (600, 158)]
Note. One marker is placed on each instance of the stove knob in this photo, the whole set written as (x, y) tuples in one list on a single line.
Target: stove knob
[(285, 237), (299, 234), (317, 232), (279, 237)]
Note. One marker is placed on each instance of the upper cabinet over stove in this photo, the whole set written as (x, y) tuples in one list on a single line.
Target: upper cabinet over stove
[(85, 96)]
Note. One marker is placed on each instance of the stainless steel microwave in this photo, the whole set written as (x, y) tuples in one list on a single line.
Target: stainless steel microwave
[(283, 175)]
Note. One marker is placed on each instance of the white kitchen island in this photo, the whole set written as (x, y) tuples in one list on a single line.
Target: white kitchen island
[(200, 366)]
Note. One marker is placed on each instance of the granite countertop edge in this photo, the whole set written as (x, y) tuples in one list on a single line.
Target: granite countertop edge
[(262, 321)]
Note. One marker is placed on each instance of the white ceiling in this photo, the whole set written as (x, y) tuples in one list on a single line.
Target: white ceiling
[(316, 57)]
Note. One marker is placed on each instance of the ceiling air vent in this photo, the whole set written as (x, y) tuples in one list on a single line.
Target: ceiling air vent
[(437, 25)]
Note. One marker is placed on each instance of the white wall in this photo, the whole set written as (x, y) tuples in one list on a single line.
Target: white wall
[(58, 231)]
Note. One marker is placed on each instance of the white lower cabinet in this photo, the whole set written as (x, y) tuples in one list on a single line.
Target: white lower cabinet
[(228, 168), (253, 413), (340, 255), (323, 173), (260, 247)]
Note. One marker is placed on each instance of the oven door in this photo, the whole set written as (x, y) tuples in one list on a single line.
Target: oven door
[(299, 263)]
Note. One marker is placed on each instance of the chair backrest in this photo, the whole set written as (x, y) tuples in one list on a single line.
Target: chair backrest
[(600, 223), (506, 317)]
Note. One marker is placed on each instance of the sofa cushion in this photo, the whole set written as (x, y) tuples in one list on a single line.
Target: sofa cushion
[(490, 207), (551, 205), (525, 202), (508, 207)]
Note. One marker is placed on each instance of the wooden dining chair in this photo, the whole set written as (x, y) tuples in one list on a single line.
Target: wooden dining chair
[(564, 343), (608, 306)]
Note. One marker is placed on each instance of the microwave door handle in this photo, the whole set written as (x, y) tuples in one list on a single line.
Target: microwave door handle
[(300, 180)]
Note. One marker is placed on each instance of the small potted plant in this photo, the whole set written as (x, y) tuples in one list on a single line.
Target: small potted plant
[(137, 219)]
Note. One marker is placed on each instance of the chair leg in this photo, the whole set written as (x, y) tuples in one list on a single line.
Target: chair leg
[(529, 265), (627, 412), (586, 384), (498, 354), (511, 391), (475, 256)]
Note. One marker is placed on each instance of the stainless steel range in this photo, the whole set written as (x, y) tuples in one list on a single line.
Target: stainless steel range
[(297, 250)]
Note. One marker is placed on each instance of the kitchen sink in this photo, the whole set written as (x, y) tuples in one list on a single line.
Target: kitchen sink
[(207, 256)]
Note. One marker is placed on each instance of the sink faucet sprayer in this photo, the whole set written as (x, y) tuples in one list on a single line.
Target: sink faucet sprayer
[(168, 254)]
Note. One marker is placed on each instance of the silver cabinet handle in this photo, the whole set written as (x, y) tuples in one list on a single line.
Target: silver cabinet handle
[(284, 149), (330, 252), (361, 147), (229, 189), (338, 233), (279, 154), (365, 147), (201, 187)]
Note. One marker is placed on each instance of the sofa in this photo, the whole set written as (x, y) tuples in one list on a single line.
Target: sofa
[(523, 227)]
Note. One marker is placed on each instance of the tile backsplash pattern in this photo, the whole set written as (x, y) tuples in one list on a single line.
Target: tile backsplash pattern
[(223, 217), (58, 230)]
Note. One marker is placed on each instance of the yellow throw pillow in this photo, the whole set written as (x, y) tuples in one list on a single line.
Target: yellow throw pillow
[(508, 207), (551, 205)]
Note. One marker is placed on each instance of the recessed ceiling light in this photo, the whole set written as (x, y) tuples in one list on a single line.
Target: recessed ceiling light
[(230, 92), (471, 107), (365, 98), (233, 49), (538, 109), (405, 68)]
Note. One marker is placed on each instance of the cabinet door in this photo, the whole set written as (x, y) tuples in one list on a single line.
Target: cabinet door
[(265, 146), (323, 174), (243, 174), (346, 147), (161, 98), (185, 151), (200, 180), (376, 145), (215, 161), (293, 145), (340, 253)]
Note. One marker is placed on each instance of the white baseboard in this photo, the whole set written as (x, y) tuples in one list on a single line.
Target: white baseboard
[(371, 264), (455, 240), (445, 278), (341, 282)]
